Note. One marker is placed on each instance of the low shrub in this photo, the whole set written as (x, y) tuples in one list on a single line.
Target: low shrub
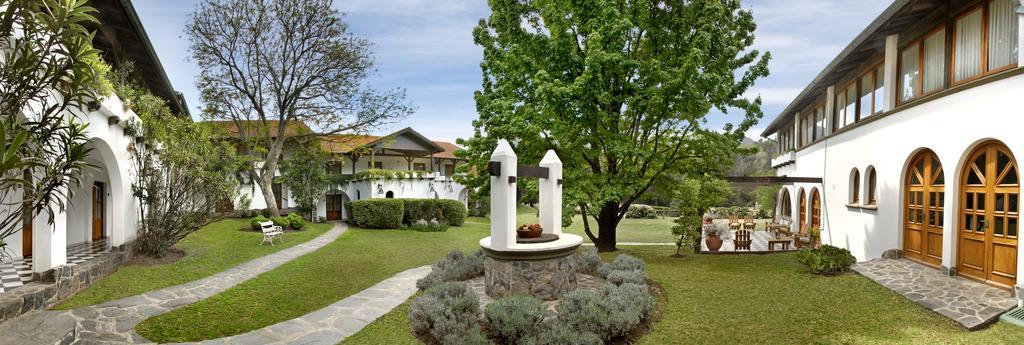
[(641, 211), (295, 221), (417, 209), (589, 262), (557, 333), (629, 304), (453, 210), (515, 319), (377, 213), (622, 263), (455, 267), (827, 260), (447, 313), (255, 222), (619, 277), (427, 226), (609, 313), (280, 221)]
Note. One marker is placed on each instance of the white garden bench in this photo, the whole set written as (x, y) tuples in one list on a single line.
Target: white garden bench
[(271, 232)]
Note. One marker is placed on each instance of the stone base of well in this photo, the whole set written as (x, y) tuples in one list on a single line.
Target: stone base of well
[(544, 278)]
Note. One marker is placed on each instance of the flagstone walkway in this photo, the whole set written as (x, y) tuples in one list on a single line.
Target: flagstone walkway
[(972, 304), (114, 322)]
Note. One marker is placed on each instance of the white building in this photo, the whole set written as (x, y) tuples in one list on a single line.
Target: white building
[(403, 164), (102, 213), (907, 140)]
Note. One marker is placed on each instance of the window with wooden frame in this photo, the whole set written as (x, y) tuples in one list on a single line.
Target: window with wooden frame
[(819, 122), (923, 65), (872, 89), (984, 40), (855, 187), (805, 129), (872, 186)]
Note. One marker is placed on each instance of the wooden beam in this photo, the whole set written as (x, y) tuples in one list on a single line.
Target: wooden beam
[(769, 180)]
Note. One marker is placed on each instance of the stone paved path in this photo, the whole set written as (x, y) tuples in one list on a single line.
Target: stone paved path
[(114, 322), (967, 302), (334, 323)]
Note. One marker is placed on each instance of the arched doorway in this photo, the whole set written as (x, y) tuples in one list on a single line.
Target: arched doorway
[(785, 204), (803, 208), (815, 209), (336, 206), (988, 224), (924, 201)]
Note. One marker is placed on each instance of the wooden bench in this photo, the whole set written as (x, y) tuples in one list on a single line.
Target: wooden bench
[(271, 232)]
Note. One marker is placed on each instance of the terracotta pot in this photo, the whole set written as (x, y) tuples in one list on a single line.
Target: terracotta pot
[(529, 233), (713, 242)]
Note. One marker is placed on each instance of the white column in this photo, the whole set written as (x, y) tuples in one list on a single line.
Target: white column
[(830, 107), (551, 194), (49, 242), (891, 62), (797, 138), (503, 198)]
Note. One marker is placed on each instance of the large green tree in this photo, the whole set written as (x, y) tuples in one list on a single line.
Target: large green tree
[(621, 90)]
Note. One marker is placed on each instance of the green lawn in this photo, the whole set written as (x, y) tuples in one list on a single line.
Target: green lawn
[(209, 250), (764, 299), (355, 261)]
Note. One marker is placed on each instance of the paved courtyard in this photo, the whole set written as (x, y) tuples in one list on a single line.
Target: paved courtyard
[(758, 243), (967, 302), (18, 273)]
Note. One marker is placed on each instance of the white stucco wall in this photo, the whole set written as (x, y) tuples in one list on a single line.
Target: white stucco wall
[(951, 126)]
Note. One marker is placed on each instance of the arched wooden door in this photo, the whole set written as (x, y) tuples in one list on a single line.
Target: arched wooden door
[(815, 209), (988, 224), (924, 198), (803, 209)]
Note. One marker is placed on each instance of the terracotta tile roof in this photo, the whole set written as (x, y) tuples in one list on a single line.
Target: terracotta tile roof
[(231, 127), (343, 143), (449, 150)]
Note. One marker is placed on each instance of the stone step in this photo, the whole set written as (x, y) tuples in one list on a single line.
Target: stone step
[(40, 328)]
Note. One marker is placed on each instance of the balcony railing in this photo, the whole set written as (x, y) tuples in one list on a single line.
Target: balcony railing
[(787, 157)]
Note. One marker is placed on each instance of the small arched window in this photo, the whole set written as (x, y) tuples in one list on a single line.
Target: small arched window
[(872, 186), (855, 187), (390, 195)]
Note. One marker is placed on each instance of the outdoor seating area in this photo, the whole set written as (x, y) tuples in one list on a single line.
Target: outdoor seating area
[(743, 235)]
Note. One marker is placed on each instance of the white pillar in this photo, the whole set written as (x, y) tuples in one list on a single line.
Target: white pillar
[(551, 194), (830, 107), (49, 242), (889, 71), (797, 138), (503, 198)]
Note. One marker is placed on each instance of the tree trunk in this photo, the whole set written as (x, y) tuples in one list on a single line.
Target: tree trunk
[(607, 221), (267, 185)]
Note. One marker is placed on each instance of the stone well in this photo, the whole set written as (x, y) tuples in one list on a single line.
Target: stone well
[(513, 266)]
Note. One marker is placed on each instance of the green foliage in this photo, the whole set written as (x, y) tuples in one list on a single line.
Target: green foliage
[(447, 313), (641, 211), (388, 175), (48, 66), (608, 314), (280, 221), (619, 277), (589, 262), (305, 175), (621, 91), (515, 319), (827, 260), (377, 213), (255, 222), (455, 267), (765, 197), (454, 211), (695, 196), (295, 221)]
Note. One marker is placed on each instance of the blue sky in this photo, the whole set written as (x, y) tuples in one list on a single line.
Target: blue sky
[(425, 46)]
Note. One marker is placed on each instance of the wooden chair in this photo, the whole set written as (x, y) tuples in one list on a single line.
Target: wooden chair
[(803, 238), (748, 222), (780, 226), (734, 222), (742, 240)]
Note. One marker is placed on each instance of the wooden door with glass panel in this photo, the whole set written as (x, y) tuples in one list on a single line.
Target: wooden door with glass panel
[(334, 204), (98, 211), (922, 218), (803, 210), (988, 224)]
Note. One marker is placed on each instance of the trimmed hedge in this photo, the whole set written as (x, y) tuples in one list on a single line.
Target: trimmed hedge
[(451, 211), (377, 213)]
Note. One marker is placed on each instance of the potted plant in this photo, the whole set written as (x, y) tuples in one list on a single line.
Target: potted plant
[(814, 233), (529, 231), (713, 234)]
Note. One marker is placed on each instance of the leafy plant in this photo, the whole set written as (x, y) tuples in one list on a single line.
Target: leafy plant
[(695, 197), (424, 225), (515, 319), (827, 260), (255, 222), (305, 175), (295, 221), (447, 314), (455, 267), (641, 211)]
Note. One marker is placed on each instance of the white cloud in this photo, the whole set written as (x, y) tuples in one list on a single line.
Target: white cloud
[(774, 95)]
